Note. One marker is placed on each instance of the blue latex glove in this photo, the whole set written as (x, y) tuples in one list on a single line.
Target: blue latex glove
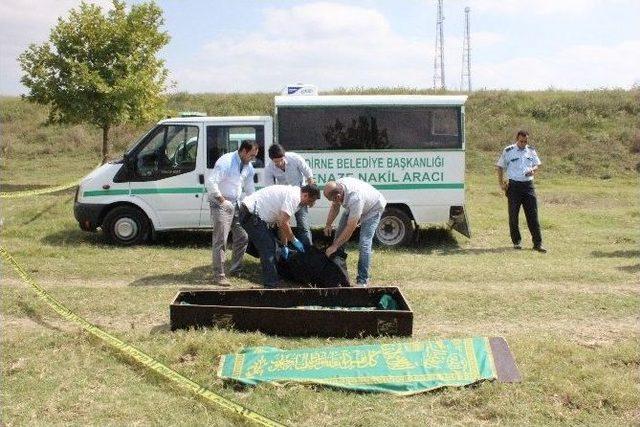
[(284, 253), (298, 245)]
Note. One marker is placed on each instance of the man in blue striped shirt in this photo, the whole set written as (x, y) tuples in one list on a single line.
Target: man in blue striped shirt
[(289, 168), (231, 175)]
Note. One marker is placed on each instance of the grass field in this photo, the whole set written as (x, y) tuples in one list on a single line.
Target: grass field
[(570, 316)]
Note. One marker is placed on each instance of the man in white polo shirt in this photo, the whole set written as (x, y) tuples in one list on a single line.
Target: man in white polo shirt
[(289, 168), (363, 206), (230, 177), (271, 207)]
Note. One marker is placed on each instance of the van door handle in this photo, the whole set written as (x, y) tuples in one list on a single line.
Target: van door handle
[(201, 178)]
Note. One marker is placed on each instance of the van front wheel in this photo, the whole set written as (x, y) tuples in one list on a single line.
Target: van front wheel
[(395, 228), (126, 225)]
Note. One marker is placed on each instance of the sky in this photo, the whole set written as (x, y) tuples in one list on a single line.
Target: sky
[(263, 45)]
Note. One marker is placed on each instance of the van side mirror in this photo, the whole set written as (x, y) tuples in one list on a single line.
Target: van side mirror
[(127, 171), (129, 160)]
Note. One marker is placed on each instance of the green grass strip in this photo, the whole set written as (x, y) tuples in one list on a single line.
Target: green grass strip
[(135, 353)]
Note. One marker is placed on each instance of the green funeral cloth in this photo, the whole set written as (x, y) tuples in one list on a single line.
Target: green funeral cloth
[(387, 303), (403, 368), (324, 307)]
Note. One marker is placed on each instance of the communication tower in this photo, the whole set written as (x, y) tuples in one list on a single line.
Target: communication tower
[(438, 61), (465, 76)]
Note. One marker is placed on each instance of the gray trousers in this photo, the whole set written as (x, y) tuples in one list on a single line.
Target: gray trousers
[(224, 219)]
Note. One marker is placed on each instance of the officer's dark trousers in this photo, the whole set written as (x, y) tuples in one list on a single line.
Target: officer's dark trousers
[(523, 193), (264, 240)]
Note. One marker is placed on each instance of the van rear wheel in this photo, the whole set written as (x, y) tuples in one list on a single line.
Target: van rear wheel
[(395, 228), (126, 225)]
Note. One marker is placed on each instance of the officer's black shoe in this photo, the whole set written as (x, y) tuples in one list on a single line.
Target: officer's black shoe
[(240, 274), (517, 246), (540, 249)]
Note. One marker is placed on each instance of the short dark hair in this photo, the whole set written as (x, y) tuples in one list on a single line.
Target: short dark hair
[(522, 132), (276, 151), (312, 190), (248, 145)]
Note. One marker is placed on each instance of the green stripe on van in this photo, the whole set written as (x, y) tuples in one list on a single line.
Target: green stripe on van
[(177, 190), (174, 190), (441, 186), (93, 193), (201, 190)]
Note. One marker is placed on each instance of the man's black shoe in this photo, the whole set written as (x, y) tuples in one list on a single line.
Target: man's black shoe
[(540, 249), (517, 246)]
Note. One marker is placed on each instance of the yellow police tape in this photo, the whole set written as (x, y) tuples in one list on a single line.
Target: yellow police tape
[(141, 357), (18, 194)]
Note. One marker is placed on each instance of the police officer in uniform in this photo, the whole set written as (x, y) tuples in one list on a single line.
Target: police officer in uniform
[(521, 162)]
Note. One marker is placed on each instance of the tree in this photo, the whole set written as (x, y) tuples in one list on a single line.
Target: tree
[(100, 68)]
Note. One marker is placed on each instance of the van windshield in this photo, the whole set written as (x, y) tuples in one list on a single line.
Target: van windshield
[(369, 128), (133, 146)]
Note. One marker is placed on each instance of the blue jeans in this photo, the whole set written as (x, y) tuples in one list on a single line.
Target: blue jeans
[(303, 231), (367, 230), (265, 241)]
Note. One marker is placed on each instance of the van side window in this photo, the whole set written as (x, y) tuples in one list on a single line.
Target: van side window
[(444, 121), (369, 127), (169, 150), (224, 139)]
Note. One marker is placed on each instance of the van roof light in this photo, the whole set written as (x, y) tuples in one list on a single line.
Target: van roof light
[(192, 114), (299, 89)]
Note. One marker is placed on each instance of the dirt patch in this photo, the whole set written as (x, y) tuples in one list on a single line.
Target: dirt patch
[(591, 333), (567, 200), (14, 326), (68, 282), (625, 289)]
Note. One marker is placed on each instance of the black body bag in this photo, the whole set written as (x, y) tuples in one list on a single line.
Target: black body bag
[(314, 268)]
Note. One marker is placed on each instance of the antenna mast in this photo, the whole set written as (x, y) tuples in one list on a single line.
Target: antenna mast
[(465, 77), (438, 61)]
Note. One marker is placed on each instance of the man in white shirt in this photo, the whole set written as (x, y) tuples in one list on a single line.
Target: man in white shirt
[(364, 206), (289, 168), (231, 174), (270, 207)]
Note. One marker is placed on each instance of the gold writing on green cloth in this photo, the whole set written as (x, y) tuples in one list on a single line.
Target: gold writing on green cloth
[(401, 368), (314, 360)]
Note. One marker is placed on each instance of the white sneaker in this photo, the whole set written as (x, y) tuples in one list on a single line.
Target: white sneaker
[(222, 281)]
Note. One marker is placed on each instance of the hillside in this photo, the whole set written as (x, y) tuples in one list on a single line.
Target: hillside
[(570, 317), (593, 133)]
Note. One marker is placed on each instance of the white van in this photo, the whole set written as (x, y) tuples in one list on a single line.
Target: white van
[(411, 147)]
